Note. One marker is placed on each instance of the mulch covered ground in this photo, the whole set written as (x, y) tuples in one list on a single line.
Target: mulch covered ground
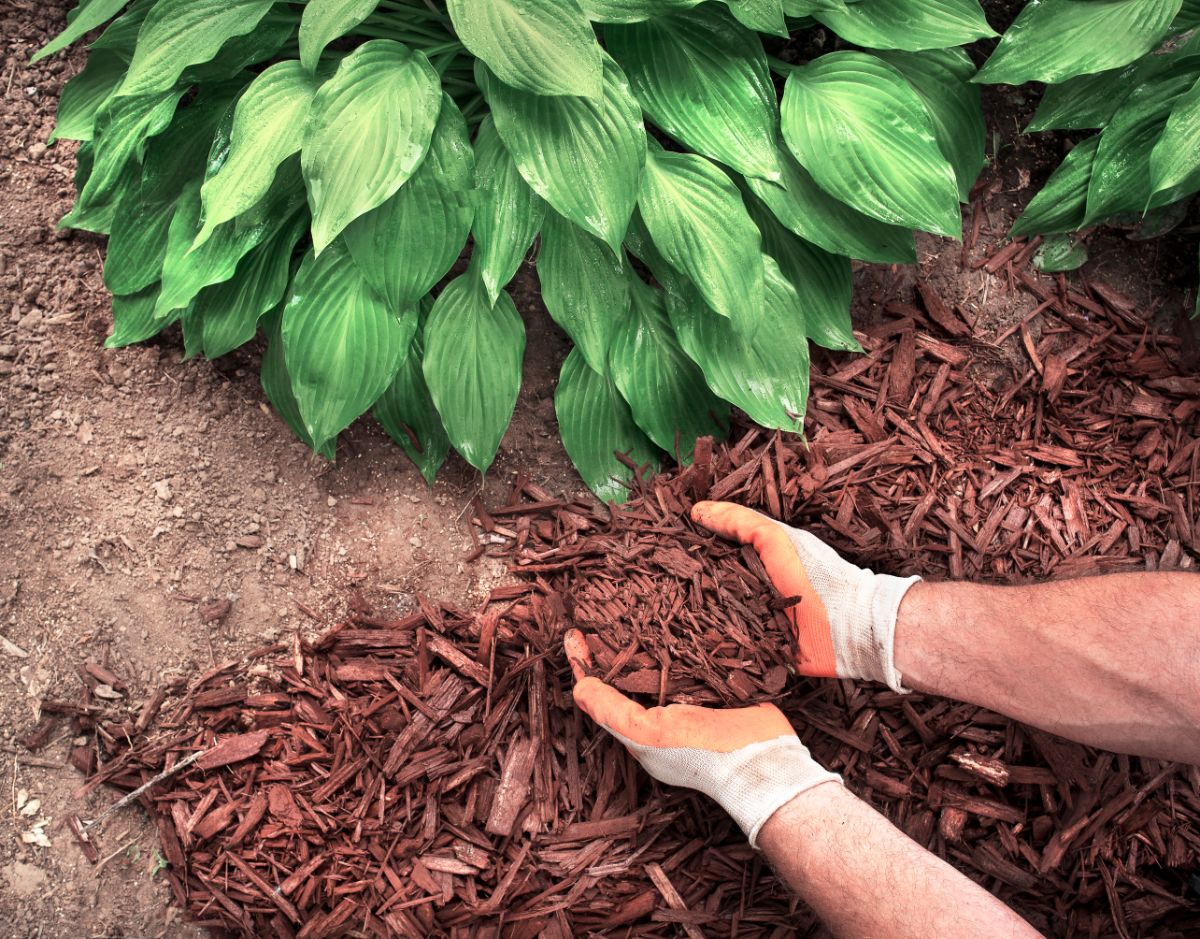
[(429, 776)]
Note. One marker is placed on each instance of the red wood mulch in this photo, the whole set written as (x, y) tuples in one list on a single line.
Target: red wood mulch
[(429, 776)]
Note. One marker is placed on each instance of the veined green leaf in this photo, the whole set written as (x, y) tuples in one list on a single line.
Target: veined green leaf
[(268, 127), (596, 423), (764, 16), (121, 34), (1060, 253), (369, 128), (277, 385), (1086, 102), (665, 389), (584, 156), (633, 11), (1176, 157), (699, 223), (89, 14), (942, 77), (805, 208), (1061, 204), (327, 20), (134, 320), (509, 214), (864, 134), (911, 25), (97, 218), (84, 95), (408, 414), (703, 79), (472, 365), (1053, 40), (585, 288), (341, 344), (766, 375), (407, 245), (542, 47), (180, 33), (1188, 16)]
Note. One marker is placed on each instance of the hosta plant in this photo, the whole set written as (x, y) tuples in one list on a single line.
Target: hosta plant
[(1129, 70), (696, 177)]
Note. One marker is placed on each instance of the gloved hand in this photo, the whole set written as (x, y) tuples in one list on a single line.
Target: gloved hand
[(845, 622), (749, 759)]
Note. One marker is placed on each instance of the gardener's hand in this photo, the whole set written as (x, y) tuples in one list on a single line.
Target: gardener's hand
[(749, 760), (845, 622)]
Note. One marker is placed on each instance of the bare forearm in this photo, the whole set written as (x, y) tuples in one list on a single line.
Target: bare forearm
[(866, 879), (1110, 661)]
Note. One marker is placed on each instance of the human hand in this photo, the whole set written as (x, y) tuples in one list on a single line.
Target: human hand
[(747, 759), (845, 622)]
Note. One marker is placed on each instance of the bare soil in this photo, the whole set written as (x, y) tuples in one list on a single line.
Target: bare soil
[(135, 486)]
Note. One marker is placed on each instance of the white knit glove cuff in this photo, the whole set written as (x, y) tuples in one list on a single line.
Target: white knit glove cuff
[(751, 783)]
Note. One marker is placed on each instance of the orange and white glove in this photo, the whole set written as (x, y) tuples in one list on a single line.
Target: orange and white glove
[(845, 622), (748, 759)]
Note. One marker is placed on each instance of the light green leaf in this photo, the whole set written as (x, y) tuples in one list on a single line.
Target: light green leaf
[(699, 224), (584, 156), (765, 16), (1053, 40), (1059, 253), (633, 11), (277, 385), (407, 413), (766, 375), (508, 216), (665, 389), (1176, 157), (89, 14), (912, 25), (407, 245), (542, 47), (341, 344), (703, 79), (585, 288), (863, 133), (472, 365), (596, 423), (942, 77), (268, 127), (84, 95), (179, 33), (134, 320), (805, 208), (368, 130), (327, 20), (1061, 204)]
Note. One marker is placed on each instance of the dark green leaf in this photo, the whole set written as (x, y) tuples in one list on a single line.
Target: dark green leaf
[(278, 387), (764, 16), (327, 20), (134, 320), (407, 413), (1061, 204), (1176, 156), (89, 14), (912, 25), (633, 11)]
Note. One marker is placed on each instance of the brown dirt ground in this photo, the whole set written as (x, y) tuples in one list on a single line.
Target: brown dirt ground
[(126, 478)]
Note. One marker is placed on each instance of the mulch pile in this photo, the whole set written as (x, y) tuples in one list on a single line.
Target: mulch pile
[(429, 775)]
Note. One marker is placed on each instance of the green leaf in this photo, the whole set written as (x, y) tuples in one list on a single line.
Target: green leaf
[(942, 77), (543, 47), (1086, 102), (1189, 15), (472, 365), (1061, 204), (179, 33), (864, 134), (766, 375), (1053, 40), (84, 95), (89, 14), (341, 343), (596, 423), (508, 216), (665, 389), (368, 130), (327, 20), (633, 11), (697, 219), (1121, 173), (585, 288), (703, 79), (805, 208), (268, 127), (134, 320), (277, 385), (765, 16), (1060, 253), (584, 156), (228, 313), (407, 413), (407, 245), (1176, 157), (912, 25)]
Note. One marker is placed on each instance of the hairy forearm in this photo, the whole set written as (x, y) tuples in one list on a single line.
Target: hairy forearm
[(1110, 661), (866, 879)]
